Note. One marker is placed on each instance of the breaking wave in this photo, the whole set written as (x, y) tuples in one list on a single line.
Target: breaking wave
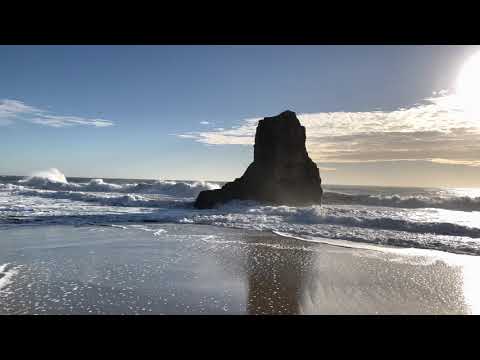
[(420, 218), (464, 203), (313, 219), (53, 179), (127, 200), (43, 178), (310, 220)]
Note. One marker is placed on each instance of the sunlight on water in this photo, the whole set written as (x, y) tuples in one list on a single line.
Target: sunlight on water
[(443, 219), (471, 219), (471, 273), (467, 192)]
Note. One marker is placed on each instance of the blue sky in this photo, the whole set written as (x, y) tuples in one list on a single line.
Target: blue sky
[(162, 111)]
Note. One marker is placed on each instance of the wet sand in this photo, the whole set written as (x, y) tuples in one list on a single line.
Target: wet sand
[(199, 269)]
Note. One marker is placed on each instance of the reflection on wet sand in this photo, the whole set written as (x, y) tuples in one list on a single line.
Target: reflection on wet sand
[(192, 269), (275, 279), (324, 279)]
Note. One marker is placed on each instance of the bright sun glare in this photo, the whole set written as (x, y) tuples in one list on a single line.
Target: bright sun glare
[(468, 85)]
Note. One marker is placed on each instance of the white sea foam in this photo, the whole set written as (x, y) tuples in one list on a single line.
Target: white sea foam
[(6, 275), (407, 219), (464, 203), (40, 178), (172, 188), (54, 180), (439, 222), (10, 187), (127, 200)]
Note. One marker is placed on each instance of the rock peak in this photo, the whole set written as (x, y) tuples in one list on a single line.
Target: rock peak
[(281, 172), (286, 115)]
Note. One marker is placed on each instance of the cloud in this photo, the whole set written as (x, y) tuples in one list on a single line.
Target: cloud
[(63, 121), (14, 110), (436, 130), (204, 122), (456, 162), (321, 168)]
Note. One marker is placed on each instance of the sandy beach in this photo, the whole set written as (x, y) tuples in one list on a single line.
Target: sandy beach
[(201, 269)]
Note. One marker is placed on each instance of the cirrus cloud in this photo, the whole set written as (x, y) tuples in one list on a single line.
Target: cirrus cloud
[(14, 110)]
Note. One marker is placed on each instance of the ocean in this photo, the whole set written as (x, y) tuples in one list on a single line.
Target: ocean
[(427, 218), (132, 246)]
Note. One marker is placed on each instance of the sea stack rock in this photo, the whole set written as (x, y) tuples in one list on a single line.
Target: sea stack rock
[(281, 172)]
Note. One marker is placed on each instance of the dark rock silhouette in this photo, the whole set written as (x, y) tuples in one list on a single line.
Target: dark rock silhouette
[(281, 172)]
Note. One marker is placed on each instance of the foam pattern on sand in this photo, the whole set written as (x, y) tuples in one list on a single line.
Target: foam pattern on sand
[(7, 272)]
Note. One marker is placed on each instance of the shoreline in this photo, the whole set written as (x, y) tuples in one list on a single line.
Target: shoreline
[(404, 251), (203, 269)]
